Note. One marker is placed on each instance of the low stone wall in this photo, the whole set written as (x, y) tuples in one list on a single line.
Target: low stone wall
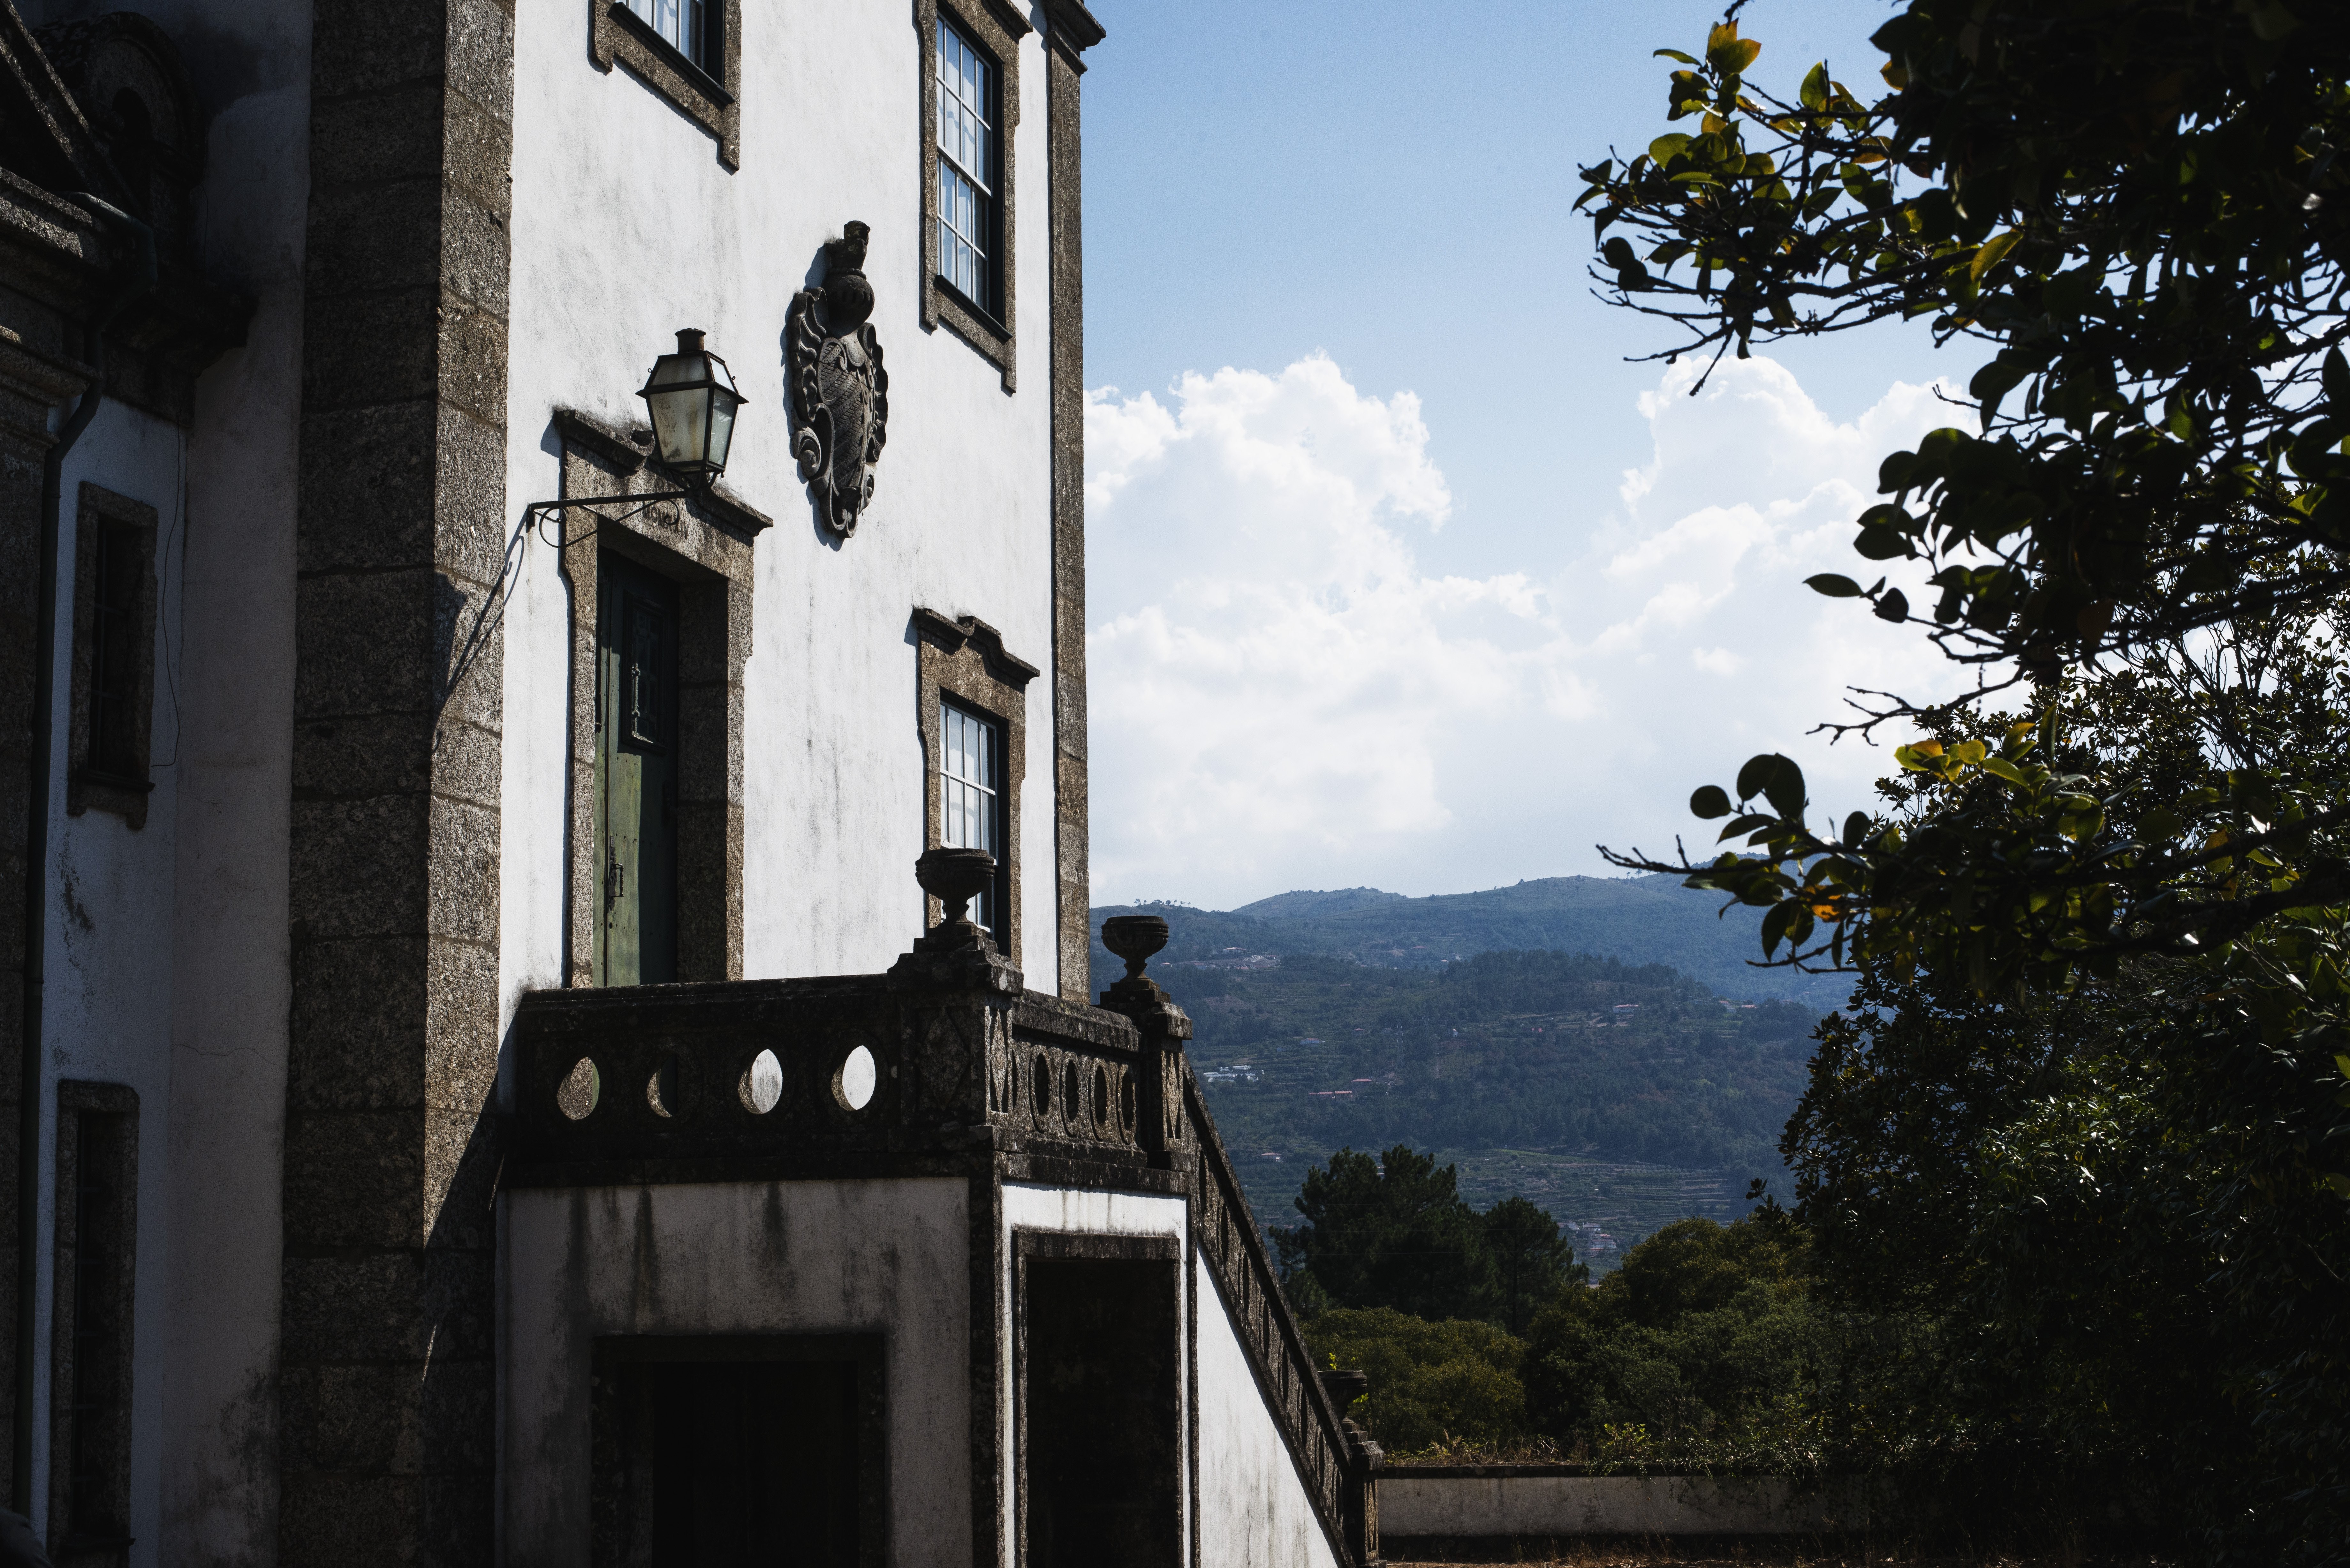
[(1471, 1503)]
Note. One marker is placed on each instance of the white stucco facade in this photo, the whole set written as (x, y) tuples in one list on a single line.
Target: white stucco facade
[(1252, 1506), (885, 1257), (958, 522)]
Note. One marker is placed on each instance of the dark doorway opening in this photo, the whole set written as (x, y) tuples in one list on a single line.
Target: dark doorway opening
[(637, 735), (730, 1452), (1101, 1448)]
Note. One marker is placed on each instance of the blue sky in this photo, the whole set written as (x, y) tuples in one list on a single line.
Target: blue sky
[(1374, 576)]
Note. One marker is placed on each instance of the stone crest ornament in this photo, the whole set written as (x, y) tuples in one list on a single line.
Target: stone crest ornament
[(841, 394)]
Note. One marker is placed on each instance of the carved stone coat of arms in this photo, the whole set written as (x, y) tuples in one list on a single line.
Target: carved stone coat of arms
[(841, 394)]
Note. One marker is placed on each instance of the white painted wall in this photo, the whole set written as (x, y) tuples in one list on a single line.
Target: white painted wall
[(1254, 1506), (106, 1013), (169, 964), (219, 1502), (626, 227), (890, 1257), (1083, 1213)]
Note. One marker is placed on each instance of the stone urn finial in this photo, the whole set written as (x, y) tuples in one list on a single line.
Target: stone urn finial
[(954, 877), (1134, 938), (958, 952)]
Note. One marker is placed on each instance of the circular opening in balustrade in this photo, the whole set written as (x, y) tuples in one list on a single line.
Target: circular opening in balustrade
[(1126, 1100), (763, 1083), (1069, 1102), (662, 1091), (1101, 1095), (1040, 1087), (853, 1084), (581, 1087)]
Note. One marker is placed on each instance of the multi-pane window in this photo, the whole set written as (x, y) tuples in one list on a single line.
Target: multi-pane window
[(679, 24), (971, 771), (967, 179)]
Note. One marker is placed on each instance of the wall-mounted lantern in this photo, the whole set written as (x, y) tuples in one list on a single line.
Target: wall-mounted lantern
[(691, 397)]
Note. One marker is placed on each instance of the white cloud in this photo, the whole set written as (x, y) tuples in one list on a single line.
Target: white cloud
[(1285, 694)]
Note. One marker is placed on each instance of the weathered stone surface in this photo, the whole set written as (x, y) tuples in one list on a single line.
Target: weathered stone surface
[(393, 1306), (1065, 203), (357, 867), (356, 1001), (362, 352), (388, 1307)]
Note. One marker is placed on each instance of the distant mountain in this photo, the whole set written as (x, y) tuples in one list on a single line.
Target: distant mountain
[(1615, 1095), (1635, 919), (1304, 906)]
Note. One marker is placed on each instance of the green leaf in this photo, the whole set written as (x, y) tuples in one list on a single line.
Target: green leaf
[(1993, 382), (2337, 383), (1833, 585), (1675, 55), (1893, 606), (1727, 52), (1775, 778), (1618, 251), (2003, 769), (1709, 802), (1667, 147), (1878, 543), (1988, 254), (1814, 91), (1774, 926), (1856, 829)]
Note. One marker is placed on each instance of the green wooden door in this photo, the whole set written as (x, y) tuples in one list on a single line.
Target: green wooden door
[(636, 776)]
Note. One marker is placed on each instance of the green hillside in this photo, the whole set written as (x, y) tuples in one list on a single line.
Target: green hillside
[(1638, 919), (1617, 1097)]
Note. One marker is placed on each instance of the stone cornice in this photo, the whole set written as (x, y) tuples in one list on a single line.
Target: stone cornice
[(952, 633), (1072, 28)]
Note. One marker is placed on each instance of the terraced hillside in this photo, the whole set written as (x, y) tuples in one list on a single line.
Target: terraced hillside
[(1616, 1096)]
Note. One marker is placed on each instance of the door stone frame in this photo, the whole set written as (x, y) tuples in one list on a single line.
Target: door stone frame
[(703, 545)]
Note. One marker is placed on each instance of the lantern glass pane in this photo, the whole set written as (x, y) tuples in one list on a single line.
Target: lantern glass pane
[(722, 428), (680, 425)]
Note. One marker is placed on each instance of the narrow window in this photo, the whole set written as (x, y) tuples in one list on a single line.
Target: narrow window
[(116, 638), (967, 173), (679, 24), (971, 802), (90, 1354), (113, 655)]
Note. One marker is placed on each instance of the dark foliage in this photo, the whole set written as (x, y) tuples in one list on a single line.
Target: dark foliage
[(1393, 1231)]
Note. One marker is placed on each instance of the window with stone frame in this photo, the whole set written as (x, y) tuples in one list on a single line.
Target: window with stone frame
[(970, 107), (687, 51), (113, 691), (971, 802), (93, 1288), (967, 219), (972, 703)]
